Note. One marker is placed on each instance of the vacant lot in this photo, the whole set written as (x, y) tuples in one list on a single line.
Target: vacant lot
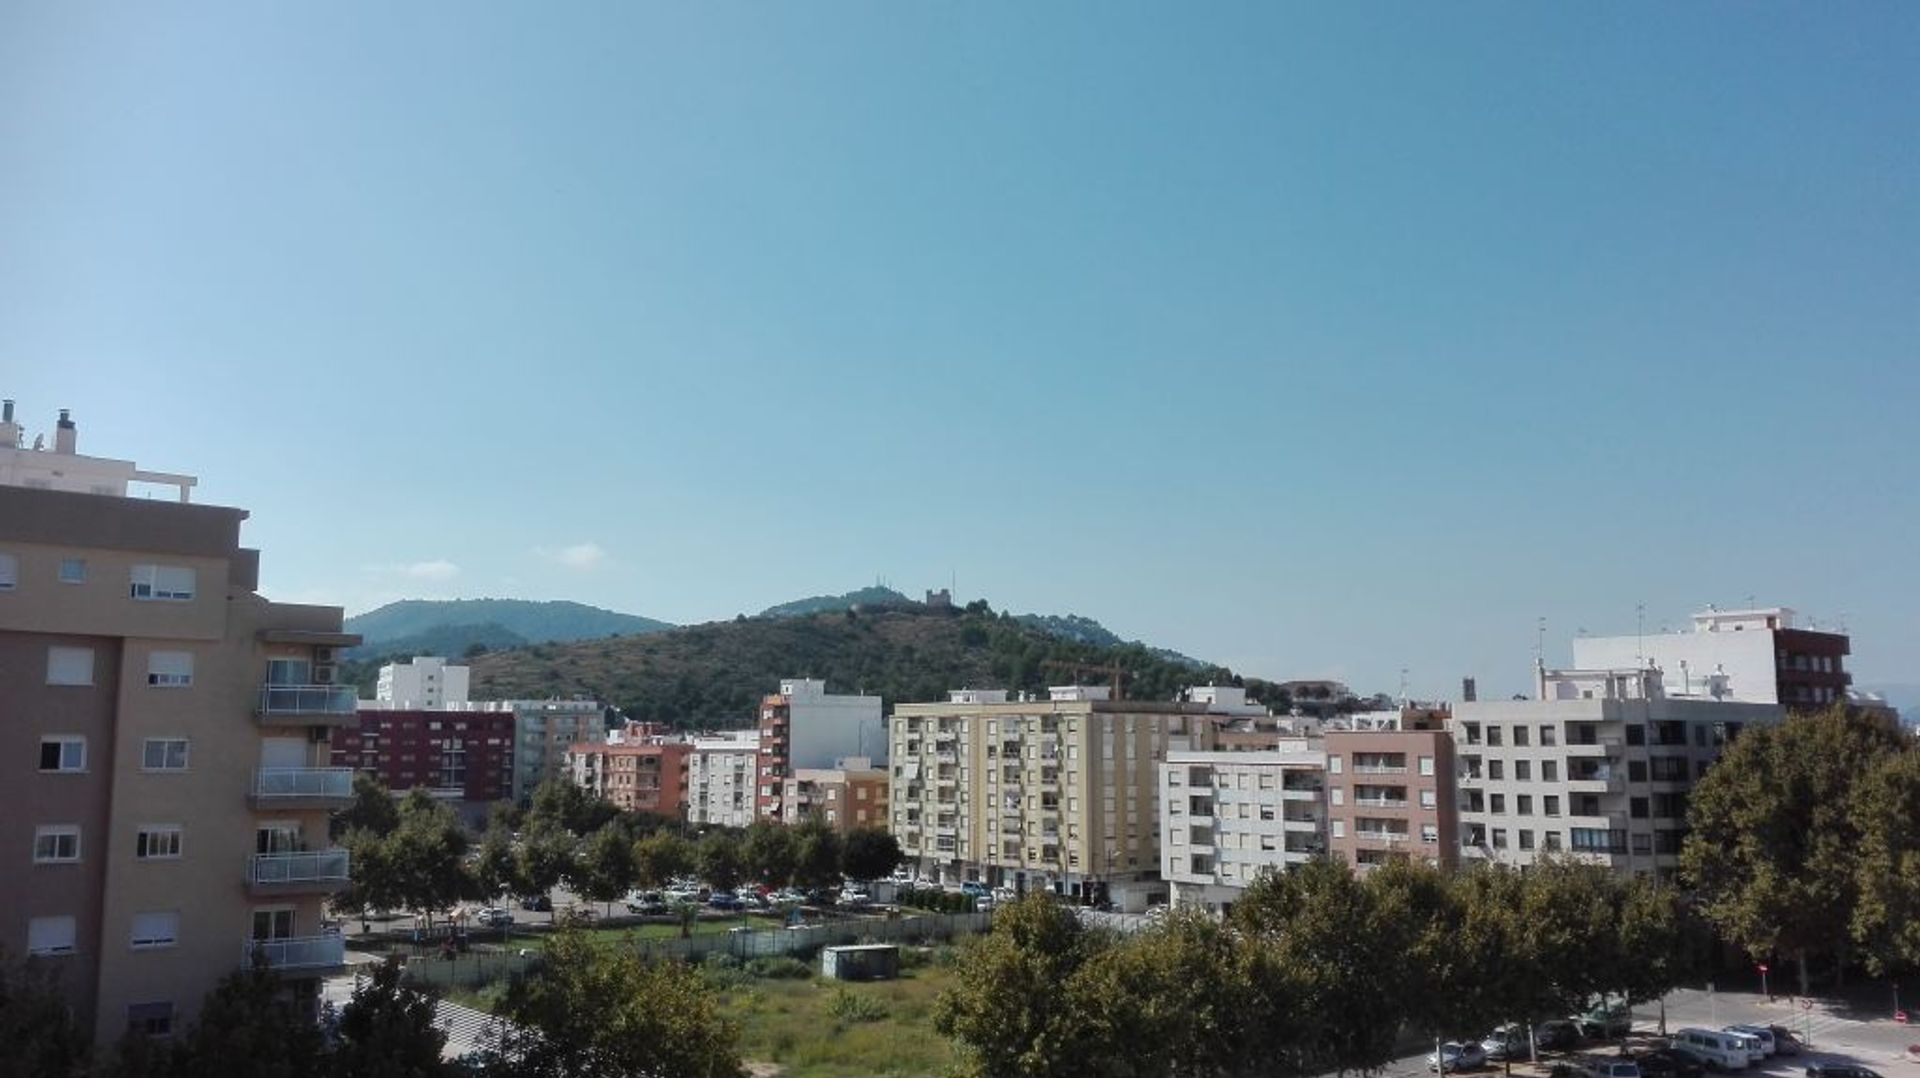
[(797, 1025)]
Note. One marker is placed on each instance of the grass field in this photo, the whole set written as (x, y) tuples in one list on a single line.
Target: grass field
[(794, 1024)]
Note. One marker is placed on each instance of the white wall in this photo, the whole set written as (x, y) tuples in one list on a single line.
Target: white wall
[(1747, 656), (825, 728)]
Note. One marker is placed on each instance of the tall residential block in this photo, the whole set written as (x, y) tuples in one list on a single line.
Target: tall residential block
[(1391, 792), (1757, 656), (803, 725), (721, 778), (165, 808), (1060, 793), (463, 757), (425, 682), (1228, 817)]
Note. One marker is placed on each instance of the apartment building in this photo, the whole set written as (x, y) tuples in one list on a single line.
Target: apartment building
[(1391, 791), (721, 778), (803, 725), (426, 681), (1060, 793), (463, 756), (1751, 656), (847, 796), (1227, 817), (640, 776), (1598, 765), (167, 783)]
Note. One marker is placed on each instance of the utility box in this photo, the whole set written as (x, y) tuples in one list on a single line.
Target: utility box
[(860, 962)]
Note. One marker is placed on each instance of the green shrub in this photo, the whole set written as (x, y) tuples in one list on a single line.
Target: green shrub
[(851, 1006), (779, 967)]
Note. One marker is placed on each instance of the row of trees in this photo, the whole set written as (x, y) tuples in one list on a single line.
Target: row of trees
[(1317, 970), (415, 855), (1804, 843)]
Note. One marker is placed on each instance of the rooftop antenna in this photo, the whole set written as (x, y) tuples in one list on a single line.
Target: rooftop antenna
[(1640, 633), (1540, 642), (1403, 686)]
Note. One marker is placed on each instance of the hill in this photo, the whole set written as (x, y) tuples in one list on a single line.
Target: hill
[(714, 675), (393, 628), (1088, 631), (823, 604)]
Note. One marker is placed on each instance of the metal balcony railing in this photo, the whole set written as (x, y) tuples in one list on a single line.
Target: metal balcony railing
[(291, 783), (307, 700), (300, 952), (315, 866)]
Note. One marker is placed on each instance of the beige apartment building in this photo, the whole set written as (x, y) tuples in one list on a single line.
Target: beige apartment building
[(846, 797), (1060, 793), (165, 798)]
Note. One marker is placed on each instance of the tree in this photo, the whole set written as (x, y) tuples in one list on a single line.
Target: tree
[(719, 860), (560, 803), (1006, 1006), (1773, 846), (249, 1027), (1657, 938), (1886, 923), (769, 852), (661, 858), (497, 870), (1571, 923), (816, 855), (546, 857), (386, 1031), (373, 876), (605, 868), (37, 1024), (428, 852), (587, 1012), (870, 854), (372, 809)]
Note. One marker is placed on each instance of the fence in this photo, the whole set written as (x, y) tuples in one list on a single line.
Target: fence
[(479, 968)]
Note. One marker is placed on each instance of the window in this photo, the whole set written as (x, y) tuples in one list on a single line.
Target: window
[(1427, 799), (158, 842), (56, 844), (1523, 804), (1497, 803), (150, 1019), (1339, 829), (1637, 808), (1636, 734), (1549, 771), (1550, 804), (162, 583), (69, 666), (73, 570), (1333, 764), (1526, 839), (170, 669), (1493, 735), (1520, 741), (1426, 765), (157, 929), (1496, 770), (9, 572), (50, 935), (1499, 838), (1547, 738), (273, 924), (63, 754), (164, 754), (1522, 770), (289, 672)]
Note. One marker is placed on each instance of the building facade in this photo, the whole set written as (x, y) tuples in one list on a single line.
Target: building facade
[(1599, 766), (721, 778), (1756, 656), (167, 794), (460, 755), (1391, 792), (848, 796), (1227, 817), (803, 725), (425, 682), (1061, 793), (639, 776)]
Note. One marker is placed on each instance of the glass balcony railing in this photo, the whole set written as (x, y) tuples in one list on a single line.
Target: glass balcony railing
[(296, 783), (300, 952), (308, 700), (315, 866)]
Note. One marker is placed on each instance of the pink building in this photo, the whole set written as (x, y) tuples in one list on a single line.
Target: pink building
[(1391, 793)]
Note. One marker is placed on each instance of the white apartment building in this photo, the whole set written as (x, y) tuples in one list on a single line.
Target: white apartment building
[(1751, 656), (804, 725), (1226, 817), (425, 683), (1060, 793), (64, 468), (1599, 765), (720, 778)]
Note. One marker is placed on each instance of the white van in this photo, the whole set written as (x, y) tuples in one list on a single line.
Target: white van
[(1756, 1050), (1721, 1051), (1759, 1033)]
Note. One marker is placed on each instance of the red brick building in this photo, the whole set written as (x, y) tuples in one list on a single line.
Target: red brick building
[(648, 777), (467, 751)]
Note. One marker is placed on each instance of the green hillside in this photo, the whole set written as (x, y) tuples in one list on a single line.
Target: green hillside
[(396, 627), (710, 675)]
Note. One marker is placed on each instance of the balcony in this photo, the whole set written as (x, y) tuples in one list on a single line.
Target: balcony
[(1295, 793), (1379, 769), (1599, 782), (1381, 802), (1602, 746), (316, 872), (302, 787), (307, 705), (299, 952), (1391, 837)]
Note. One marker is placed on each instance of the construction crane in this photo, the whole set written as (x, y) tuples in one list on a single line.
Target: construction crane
[(1078, 670)]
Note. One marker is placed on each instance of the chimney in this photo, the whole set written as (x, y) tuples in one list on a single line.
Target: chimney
[(64, 434), (9, 430)]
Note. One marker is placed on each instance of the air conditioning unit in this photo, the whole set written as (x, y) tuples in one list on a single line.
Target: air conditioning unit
[(323, 674), (322, 655)]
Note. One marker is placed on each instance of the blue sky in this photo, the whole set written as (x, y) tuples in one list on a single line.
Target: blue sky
[(1329, 339)]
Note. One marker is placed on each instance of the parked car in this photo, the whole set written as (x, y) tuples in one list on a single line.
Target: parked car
[(682, 894), (1506, 1042), (820, 896), (751, 898), (1606, 1021), (1609, 1067), (1839, 1070), (1457, 1056), (1784, 1041), (1557, 1035), (1721, 1051), (1669, 1063), (647, 903), (975, 888), (494, 917), (724, 900), (536, 903), (1763, 1034), (789, 896)]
